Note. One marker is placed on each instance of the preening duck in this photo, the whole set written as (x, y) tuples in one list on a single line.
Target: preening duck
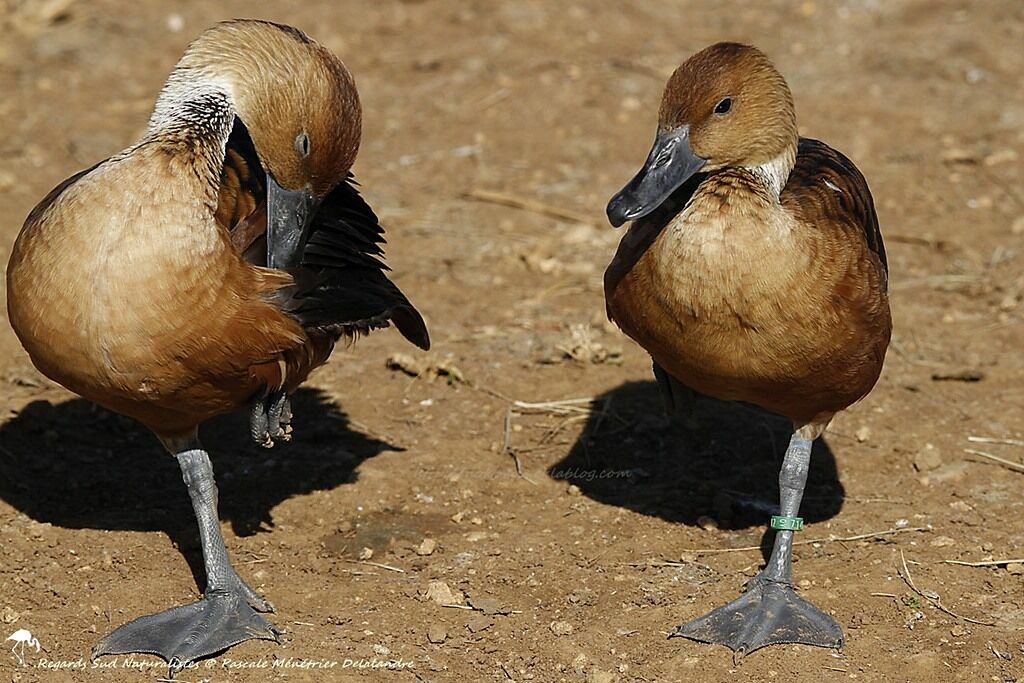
[(211, 266), (754, 271)]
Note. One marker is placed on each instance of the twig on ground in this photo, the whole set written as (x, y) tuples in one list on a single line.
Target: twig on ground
[(530, 205), (984, 563), (1015, 466), (934, 599), (830, 539), (489, 391), (605, 407), (507, 446), (477, 609), (552, 432), (987, 439), (562, 407), (377, 564), (964, 375), (507, 438), (938, 245)]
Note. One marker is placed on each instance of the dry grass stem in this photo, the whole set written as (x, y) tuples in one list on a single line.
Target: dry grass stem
[(933, 598), (531, 205), (378, 564), (984, 563), (987, 439), (830, 539), (1015, 466)]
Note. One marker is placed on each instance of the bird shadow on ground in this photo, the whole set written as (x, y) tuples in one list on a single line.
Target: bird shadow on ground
[(719, 461), (79, 466)]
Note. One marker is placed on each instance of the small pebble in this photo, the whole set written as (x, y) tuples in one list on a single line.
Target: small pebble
[(1015, 568), (479, 622), (427, 547), (442, 594), (437, 633), (561, 628), (927, 459), (707, 523), (365, 553)]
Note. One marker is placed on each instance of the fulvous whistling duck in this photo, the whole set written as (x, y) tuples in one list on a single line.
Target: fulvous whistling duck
[(754, 271), (210, 266)]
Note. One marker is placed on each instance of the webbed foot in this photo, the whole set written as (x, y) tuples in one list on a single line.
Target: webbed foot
[(181, 635), (768, 613)]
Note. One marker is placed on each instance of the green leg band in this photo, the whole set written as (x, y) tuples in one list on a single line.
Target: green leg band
[(787, 523)]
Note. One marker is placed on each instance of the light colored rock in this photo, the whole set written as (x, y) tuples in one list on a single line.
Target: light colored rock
[(561, 628), (927, 459), (437, 633), (442, 594)]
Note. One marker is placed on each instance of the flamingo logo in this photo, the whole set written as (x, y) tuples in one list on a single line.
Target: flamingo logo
[(22, 638)]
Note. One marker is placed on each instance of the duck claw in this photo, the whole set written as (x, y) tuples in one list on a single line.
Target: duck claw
[(270, 419)]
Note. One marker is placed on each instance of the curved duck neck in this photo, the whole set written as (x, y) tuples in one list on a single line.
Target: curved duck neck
[(775, 172), (193, 101), (192, 120)]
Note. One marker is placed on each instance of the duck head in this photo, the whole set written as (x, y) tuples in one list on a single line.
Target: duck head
[(299, 105), (725, 106)]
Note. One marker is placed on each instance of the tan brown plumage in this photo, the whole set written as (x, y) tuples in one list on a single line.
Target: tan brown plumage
[(211, 265), (754, 271), (128, 283), (778, 300)]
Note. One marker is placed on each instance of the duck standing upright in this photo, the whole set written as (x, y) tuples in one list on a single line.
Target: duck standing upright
[(754, 271), (209, 267)]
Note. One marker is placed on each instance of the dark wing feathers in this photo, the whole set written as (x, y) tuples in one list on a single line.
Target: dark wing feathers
[(826, 186), (345, 289), (346, 232), (341, 286)]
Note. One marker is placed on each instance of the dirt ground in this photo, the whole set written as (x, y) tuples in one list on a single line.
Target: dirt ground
[(577, 569)]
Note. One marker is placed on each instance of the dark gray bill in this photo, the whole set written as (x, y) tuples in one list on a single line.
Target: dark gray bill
[(670, 164), (289, 213)]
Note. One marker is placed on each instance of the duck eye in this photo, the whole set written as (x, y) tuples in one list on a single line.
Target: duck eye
[(302, 145), (724, 106)]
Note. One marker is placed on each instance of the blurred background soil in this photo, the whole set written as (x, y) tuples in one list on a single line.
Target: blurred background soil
[(401, 492)]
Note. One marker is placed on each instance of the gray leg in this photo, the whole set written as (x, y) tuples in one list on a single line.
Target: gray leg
[(770, 612), (227, 614)]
